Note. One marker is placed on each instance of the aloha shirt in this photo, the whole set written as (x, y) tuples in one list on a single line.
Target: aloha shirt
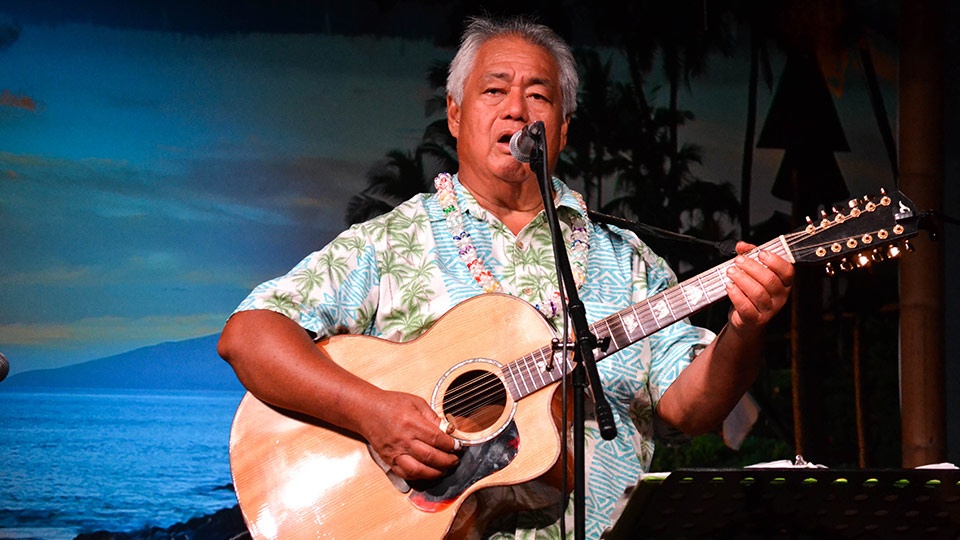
[(395, 275)]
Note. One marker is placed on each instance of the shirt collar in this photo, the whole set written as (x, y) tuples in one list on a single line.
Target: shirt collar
[(469, 205)]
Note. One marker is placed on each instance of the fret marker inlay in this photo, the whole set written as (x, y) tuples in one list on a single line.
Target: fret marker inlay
[(694, 294), (661, 309), (631, 323)]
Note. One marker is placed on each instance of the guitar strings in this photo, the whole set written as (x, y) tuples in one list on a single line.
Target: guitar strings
[(487, 388)]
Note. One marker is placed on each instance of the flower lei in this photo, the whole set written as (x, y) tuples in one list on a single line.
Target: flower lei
[(579, 246)]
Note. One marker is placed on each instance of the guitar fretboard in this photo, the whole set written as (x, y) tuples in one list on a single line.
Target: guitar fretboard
[(542, 367)]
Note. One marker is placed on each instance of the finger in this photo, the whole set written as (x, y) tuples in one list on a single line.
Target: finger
[(754, 280), (780, 266), (448, 428), (743, 307), (408, 468), (432, 454), (743, 247), (423, 461), (770, 283)]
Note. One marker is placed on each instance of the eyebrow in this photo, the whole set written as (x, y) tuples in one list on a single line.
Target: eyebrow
[(503, 76)]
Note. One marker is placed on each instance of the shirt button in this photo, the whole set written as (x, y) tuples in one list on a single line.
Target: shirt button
[(520, 245), (528, 291)]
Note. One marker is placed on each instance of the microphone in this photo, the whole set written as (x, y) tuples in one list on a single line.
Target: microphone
[(4, 367), (523, 142)]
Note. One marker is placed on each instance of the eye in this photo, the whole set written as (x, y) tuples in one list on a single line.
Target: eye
[(540, 96)]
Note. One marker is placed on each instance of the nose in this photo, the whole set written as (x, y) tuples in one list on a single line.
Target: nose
[(515, 106)]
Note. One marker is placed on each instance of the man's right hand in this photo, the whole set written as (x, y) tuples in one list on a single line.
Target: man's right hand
[(405, 432)]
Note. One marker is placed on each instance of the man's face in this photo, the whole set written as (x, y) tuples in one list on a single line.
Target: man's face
[(512, 84)]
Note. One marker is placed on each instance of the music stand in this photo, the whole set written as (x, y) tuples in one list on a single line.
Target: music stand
[(794, 503)]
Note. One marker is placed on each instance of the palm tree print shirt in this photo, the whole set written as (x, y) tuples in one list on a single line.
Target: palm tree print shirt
[(395, 275)]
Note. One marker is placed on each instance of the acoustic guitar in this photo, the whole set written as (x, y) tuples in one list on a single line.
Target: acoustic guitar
[(299, 478)]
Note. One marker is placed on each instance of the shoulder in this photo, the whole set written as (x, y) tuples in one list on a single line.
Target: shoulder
[(413, 210)]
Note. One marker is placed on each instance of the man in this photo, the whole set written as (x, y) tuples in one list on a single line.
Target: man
[(484, 231)]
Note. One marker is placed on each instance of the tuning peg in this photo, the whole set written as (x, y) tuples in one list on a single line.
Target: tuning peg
[(829, 269), (838, 215), (862, 259), (877, 255), (846, 265), (854, 205), (907, 246), (893, 251)]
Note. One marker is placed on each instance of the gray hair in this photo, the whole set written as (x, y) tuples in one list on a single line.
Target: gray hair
[(481, 29)]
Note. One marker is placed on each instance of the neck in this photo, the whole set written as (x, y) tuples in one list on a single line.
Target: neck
[(515, 205)]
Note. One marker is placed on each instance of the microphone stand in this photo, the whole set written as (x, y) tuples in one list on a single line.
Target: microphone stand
[(585, 365)]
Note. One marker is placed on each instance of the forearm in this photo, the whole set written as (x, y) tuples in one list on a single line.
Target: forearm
[(276, 360), (708, 389)]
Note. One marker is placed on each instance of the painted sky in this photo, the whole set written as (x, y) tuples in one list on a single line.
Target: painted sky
[(159, 177), (149, 180)]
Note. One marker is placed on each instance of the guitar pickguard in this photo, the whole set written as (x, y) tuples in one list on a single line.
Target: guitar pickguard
[(476, 462)]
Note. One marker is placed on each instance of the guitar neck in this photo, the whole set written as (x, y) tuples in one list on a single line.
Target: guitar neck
[(542, 367), (665, 308)]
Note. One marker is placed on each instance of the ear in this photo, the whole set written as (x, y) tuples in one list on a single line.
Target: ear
[(453, 117)]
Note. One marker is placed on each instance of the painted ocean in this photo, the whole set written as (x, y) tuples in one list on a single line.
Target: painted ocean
[(74, 461)]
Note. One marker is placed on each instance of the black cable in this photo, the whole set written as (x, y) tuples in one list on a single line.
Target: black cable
[(726, 248)]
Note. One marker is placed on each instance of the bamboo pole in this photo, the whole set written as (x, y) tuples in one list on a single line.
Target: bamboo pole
[(922, 357)]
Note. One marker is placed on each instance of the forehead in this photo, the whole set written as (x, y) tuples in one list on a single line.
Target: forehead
[(509, 57)]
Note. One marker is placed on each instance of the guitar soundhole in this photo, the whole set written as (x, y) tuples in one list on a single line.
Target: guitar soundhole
[(475, 400)]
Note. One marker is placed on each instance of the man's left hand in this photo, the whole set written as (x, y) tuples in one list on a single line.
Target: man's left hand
[(758, 287)]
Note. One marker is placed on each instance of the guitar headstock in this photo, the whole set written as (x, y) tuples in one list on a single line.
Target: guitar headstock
[(870, 229)]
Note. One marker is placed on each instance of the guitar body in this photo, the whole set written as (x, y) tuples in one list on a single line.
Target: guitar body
[(296, 477)]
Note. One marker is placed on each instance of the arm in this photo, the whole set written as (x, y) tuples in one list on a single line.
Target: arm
[(276, 361), (706, 391)]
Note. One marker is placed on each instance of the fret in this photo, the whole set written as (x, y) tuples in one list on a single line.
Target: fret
[(661, 310), (540, 369), (523, 385), (516, 391), (722, 275), (673, 303), (508, 375), (702, 288), (544, 360), (631, 323), (613, 338), (686, 290), (528, 377)]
